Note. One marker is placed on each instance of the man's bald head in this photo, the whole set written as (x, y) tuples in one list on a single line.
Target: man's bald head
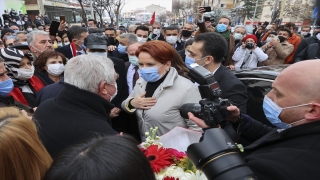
[(132, 48), (296, 85)]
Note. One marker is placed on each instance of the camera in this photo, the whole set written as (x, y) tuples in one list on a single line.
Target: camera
[(215, 155), (249, 45)]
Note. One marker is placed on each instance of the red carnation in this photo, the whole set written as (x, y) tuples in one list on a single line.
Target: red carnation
[(159, 158), (170, 178), (177, 154)]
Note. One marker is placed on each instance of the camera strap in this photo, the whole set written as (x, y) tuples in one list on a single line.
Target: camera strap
[(247, 56)]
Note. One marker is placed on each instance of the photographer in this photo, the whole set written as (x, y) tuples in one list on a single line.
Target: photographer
[(278, 50), (248, 54), (290, 151)]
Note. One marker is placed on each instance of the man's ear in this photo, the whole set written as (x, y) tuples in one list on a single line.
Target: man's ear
[(102, 88), (314, 113), (32, 49), (209, 59)]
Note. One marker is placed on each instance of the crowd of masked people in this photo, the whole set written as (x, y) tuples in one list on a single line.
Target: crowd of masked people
[(76, 105)]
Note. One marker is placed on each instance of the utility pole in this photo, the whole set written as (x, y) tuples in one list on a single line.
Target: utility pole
[(91, 9), (254, 14), (275, 8)]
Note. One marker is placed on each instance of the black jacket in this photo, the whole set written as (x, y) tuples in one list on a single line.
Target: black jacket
[(303, 44), (49, 91), (182, 53), (232, 88), (66, 51), (179, 46), (116, 54), (312, 51), (74, 116), (288, 155)]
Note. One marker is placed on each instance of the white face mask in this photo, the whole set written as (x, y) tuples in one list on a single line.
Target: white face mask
[(269, 39), (66, 43), (55, 69), (318, 36), (24, 43), (304, 33), (29, 29), (142, 40), (172, 39), (112, 97), (60, 44), (156, 31), (25, 74)]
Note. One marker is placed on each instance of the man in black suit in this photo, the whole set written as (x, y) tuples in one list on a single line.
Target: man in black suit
[(76, 36), (83, 106), (208, 50)]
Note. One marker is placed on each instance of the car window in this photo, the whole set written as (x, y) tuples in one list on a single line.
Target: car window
[(257, 89)]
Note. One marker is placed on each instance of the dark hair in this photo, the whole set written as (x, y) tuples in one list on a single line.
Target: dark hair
[(143, 28), (179, 64), (96, 30), (189, 42), (97, 50), (213, 45), (226, 17), (290, 24), (309, 27), (75, 32), (94, 21), (43, 57), (172, 27), (287, 30), (111, 29), (274, 33), (108, 158)]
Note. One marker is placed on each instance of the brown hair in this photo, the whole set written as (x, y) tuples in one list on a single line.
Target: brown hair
[(23, 157), (162, 52), (290, 24), (307, 26), (226, 17), (43, 57)]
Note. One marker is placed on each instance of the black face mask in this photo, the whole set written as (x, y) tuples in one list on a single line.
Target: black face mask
[(83, 25), (282, 39), (186, 33), (111, 41)]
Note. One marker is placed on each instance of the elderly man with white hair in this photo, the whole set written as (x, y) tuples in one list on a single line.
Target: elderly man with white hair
[(38, 42), (83, 105)]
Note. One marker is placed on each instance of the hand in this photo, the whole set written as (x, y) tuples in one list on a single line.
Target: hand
[(111, 48), (243, 45), (198, 121), (231, 67), (140, 102), (62, 25), (115, 112), (200, 12)]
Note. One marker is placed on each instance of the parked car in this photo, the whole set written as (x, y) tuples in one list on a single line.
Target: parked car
[(258, 82)]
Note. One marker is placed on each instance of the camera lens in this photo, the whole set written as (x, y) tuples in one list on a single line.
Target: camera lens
[(194, 108)]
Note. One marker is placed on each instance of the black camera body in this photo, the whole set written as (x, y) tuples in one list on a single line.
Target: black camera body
[(212, 109), (249, 45), (216, 154)]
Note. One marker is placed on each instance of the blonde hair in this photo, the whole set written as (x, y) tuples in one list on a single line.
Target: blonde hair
[(23, 157)]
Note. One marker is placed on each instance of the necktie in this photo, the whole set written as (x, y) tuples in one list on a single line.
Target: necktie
[(135, 76)]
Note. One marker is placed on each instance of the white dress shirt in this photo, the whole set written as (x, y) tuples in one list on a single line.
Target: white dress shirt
[(130, 74)]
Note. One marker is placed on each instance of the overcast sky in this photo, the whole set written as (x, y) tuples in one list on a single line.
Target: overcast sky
[(134, 4)]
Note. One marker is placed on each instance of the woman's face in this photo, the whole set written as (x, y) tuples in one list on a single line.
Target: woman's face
[(53, 60), (25, 63), (145, 61)]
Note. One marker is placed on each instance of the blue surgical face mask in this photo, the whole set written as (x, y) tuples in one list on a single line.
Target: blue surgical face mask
[(150, 74), (134, 60), (221, 27), (122, 49), (189, 60), (273, 111), (15, 31), (6, 87)]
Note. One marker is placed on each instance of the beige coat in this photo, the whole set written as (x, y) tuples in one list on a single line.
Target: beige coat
[(171, 94), (276, 54)]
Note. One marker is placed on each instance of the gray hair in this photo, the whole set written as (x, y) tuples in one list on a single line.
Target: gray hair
[(240, 26), (31, 36), (15, 36), (132, 25), (132, 38), (88, 71)]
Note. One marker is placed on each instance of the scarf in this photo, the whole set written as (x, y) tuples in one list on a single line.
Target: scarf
[(225, 34)]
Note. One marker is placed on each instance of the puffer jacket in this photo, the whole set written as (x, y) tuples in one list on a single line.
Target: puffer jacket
[(276, 54)]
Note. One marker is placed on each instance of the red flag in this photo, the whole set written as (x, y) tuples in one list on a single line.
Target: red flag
[(153, 18)]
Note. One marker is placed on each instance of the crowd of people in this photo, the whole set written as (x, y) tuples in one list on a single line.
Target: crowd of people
[(76, 105)]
